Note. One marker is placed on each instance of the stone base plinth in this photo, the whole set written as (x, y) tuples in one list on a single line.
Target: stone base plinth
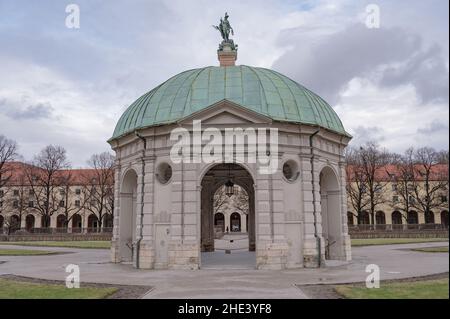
[(310, 252), (146, 256), (272, 255), (183, 255), (114, 252)]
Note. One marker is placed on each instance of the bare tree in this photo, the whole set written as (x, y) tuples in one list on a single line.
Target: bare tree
[(8, 152), (241, 200), (44, 181), (373, 160), (66, 181), (431, 181), (356, 182), (98, 186), (220, 199), (403, 178)]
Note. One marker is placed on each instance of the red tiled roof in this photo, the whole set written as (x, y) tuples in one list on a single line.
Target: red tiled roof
[(17, 171)]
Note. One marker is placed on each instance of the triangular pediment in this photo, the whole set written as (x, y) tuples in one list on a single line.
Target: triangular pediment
[(226, 113)]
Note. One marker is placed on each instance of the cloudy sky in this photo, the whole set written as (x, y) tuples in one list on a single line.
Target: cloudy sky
[(69, 86)]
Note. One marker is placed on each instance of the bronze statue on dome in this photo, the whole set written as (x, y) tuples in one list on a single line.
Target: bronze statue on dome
[(225, 29)]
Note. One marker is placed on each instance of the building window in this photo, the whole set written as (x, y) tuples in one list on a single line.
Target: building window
[(395, 199), (62, 192), (412, 200), (444, 199), (30, 203), (394, 187), (1, 203), (77, 203), (31, 192), (378, 188), (61, 203), (16, 192), (15, 203), (78, 191), (2, 192)]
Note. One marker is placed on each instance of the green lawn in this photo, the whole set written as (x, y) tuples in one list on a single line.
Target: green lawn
[(11, 289), (24, 252), (69, 244), (390, 241), (427, 289), (443, 249)]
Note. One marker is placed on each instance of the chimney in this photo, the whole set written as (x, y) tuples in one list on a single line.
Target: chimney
[(227, 55)]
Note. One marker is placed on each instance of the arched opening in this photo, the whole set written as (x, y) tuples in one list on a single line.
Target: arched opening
[(413, 218), (350, 221), (429, 217), (444, 219), (331, 214), (219, 222), (14, 223), (396, 219), (61, 221), (127, 223), (45, 221), (228, 187), (364, 218), (77, 225), (235, 222), (29, 222), (107, 222), (93, 223), (380, 220)]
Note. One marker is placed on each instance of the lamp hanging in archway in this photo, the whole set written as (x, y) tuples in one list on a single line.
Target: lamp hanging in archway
[(229, 188), (229, 185)]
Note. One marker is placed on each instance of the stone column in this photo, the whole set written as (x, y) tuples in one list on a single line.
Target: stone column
[(184, 243), (252, 219), (310, 242), (346, 240), (207, 222), (146, 244), (115, 234)]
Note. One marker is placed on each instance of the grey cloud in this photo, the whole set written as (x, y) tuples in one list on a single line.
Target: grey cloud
[(362, 134), (34, 111), (359, 52), (435, 126), (426, 70)]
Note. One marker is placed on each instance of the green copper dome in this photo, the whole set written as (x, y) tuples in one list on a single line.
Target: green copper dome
[(261, 90)]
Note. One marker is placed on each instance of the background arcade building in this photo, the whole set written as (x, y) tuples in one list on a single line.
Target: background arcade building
[(163, 212)]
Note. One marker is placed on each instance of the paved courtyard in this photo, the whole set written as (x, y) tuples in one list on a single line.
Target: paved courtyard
[(395, 261)]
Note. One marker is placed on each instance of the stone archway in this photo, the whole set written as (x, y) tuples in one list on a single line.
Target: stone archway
[(29, 222), (331, 213), (444, 219), (77, 224), (61, 221), (92, 223), (127, 217), (219, 221), (397, 218), (213, 179), (235, 222), (429, 217)]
